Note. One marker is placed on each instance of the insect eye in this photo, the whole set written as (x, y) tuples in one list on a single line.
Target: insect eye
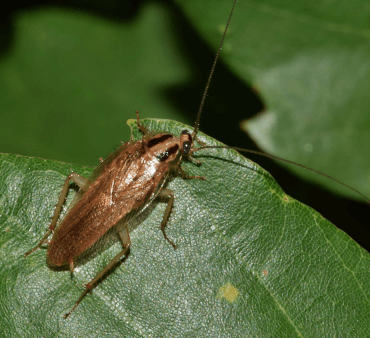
[(186, 147), (185, 141)]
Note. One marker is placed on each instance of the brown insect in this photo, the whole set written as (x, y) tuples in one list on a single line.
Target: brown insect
[(121, 187)]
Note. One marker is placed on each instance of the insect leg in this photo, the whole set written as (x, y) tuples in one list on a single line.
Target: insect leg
[(184, 175), (194, 160), (80, 181), (167, 193), (126, 243), (144, 130)]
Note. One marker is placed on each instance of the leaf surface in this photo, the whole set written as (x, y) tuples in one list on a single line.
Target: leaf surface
[(251, 261)]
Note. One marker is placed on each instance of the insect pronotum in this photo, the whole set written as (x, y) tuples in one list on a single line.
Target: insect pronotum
[(123, 185)]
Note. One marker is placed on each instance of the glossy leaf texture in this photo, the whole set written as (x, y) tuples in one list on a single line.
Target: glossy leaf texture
[(251, 261), (309, 62)]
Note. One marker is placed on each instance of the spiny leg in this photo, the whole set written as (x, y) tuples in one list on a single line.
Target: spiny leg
[(126, 243), (184, 175), (80, 181), (167, 193), (143, 129), (191, 158)]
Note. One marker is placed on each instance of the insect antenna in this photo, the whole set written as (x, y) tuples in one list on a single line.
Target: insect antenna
[(255, 152), (197, 121), (196, 126)]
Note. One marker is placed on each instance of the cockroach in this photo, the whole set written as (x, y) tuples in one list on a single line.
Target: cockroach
[(122, 186)]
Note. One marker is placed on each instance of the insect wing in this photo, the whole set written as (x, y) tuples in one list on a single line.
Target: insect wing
[(117, 190)]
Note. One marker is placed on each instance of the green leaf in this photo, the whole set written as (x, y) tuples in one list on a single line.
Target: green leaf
[(251, 261), (310, 64)]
